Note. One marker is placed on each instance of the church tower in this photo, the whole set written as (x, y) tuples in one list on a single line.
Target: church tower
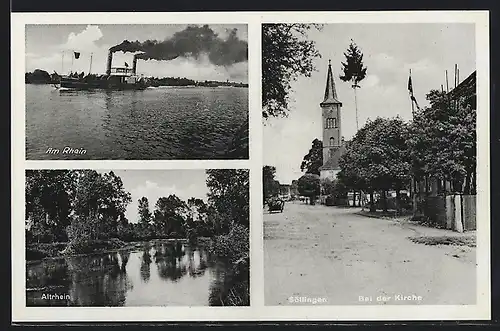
[(333, 142)]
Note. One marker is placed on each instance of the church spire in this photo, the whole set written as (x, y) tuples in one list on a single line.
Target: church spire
[(330, 91)]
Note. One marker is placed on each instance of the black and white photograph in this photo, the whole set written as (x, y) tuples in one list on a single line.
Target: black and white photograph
[(267, 167), (136, 91), (369, 174), (108, 238)]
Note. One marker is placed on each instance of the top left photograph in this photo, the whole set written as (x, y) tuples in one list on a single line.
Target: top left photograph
[(136, 92)]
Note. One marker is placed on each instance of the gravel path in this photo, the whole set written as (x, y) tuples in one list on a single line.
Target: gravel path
[(336, 256)]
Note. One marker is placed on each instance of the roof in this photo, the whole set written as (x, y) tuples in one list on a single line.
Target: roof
[(333, 162), (466, 88), (330, 90)]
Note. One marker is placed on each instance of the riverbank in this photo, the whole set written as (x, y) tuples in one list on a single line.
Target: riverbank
[(41, 251)]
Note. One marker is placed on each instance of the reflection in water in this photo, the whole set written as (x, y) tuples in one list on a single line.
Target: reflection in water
[(97, 281), (145, 263), (128, 278)]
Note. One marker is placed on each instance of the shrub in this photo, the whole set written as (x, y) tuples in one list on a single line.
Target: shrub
[(234, 245)]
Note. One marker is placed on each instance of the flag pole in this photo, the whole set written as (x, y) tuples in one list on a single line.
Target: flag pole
[(447, 87), (90, 68), (455, 75), (413, 181)]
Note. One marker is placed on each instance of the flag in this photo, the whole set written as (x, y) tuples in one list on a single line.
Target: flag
[(410, 86), (77, 55), (126, 64), (410, 91)]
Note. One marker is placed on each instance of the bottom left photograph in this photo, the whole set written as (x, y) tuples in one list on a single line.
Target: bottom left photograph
[(99, 238)]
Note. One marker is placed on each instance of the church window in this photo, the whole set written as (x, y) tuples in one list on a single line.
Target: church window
[(330, 123), (332, 140)]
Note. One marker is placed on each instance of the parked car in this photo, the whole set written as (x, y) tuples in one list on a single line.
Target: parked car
[(275, 204)]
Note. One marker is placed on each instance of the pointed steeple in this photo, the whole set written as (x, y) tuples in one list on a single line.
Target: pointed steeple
[(330, 91)]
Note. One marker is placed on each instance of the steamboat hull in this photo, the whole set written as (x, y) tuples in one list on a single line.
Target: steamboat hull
[(102, 85)]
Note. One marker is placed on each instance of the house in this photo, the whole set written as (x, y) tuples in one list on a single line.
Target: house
[(441, 201)]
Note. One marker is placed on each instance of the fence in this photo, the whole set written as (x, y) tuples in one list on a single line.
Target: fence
[(456, 212)]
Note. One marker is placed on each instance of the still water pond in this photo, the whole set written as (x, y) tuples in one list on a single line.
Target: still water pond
[(151, 274)]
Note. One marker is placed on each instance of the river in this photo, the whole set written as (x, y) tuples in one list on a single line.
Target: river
[(150, 274), (156, 123)]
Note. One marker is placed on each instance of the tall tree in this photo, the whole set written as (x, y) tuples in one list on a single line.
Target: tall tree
[(442, 139), (378, 157), (144, 226), (314, 159), (286, 55), (354, 71), (144, 212), (309, 186), (170, 215), (197, 222), (229, 196), (101, 199), (48, 203), (270, 185)]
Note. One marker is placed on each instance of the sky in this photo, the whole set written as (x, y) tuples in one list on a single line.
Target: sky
[(154, 184), (390, 51), (46, 44)]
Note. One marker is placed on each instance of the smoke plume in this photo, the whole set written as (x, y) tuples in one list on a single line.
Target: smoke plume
[(191, 42)]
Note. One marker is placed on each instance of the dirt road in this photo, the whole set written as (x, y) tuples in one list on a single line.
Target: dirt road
[(337, 257)]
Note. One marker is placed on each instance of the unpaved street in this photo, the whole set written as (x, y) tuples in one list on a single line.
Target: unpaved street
[(332, 253)]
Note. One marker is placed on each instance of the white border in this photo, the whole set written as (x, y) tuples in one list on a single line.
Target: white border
[(257, 311)]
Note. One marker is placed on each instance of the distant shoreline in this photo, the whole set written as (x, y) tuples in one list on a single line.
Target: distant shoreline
[(190, 86), (43, 77)]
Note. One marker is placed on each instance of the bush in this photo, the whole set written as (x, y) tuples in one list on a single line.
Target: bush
[(234, 245), (92, 246), (39, 251)]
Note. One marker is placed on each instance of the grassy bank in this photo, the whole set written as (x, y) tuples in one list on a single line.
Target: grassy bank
[(40, 251), (390, 214), (234, 248), (445, 240)]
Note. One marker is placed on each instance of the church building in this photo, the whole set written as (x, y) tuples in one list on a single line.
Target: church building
[(333, 141)]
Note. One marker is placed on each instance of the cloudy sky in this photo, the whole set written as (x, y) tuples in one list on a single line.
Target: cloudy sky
[(45, 45), (154, 184), (390, 51)]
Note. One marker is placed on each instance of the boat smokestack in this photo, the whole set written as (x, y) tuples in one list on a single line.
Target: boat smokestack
[(108, 65), (134, 65)]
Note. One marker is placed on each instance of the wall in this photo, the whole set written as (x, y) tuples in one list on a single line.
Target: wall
[(454, 212), (331, 174), (434, 207), (469, 212)]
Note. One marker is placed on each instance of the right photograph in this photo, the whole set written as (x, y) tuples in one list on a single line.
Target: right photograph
[(369, 174)]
